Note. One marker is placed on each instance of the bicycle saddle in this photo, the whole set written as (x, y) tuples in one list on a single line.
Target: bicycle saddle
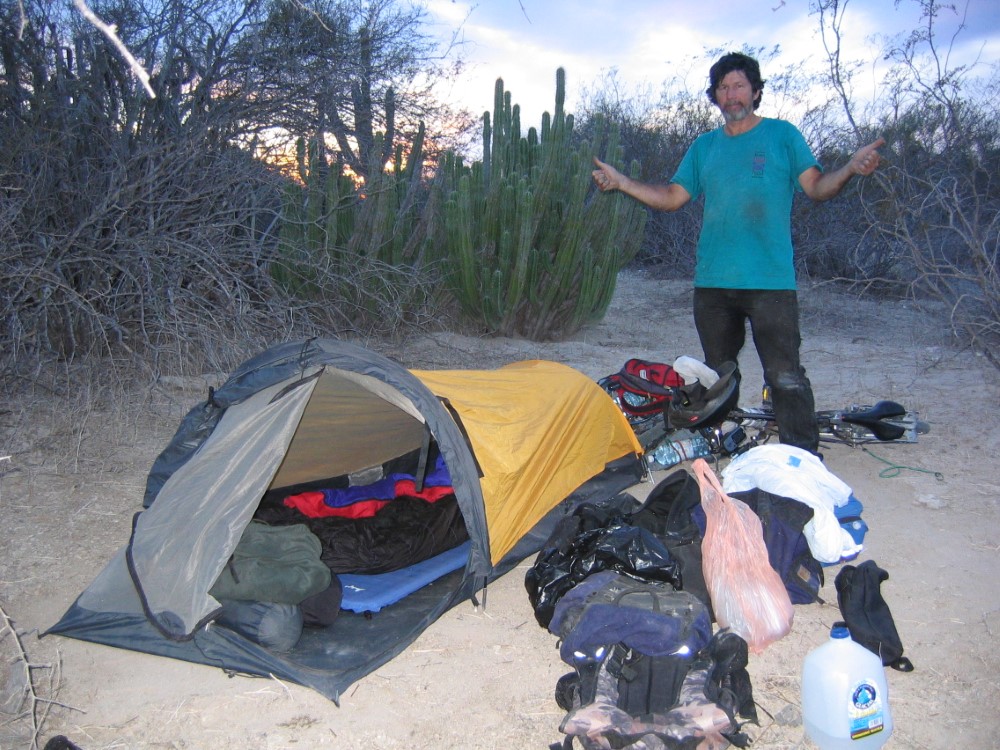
[(871, 420)]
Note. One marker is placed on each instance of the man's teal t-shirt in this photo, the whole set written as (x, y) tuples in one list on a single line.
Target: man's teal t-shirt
[(748, 181)]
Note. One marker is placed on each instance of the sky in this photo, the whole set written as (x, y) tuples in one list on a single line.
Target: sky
[(652, 41)]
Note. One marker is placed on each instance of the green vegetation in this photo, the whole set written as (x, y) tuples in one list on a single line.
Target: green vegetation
[(530, 249)]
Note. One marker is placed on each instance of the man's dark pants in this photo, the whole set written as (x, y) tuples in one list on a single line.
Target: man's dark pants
[(720, 316)]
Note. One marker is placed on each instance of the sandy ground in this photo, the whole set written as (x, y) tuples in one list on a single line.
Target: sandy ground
[(484, 678)]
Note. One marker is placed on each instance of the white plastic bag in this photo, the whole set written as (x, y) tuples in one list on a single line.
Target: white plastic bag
[(691, 370)]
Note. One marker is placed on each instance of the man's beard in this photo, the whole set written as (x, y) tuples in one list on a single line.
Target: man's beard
[(736, 115)]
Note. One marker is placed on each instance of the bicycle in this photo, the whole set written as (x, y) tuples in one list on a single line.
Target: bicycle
[(743, 428), (857, 424)]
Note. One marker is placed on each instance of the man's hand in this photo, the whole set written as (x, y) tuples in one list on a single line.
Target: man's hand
[(661, 197), (606, 177), (866, 159), (822, 186)]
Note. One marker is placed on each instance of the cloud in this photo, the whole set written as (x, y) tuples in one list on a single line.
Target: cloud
[(651, 42)]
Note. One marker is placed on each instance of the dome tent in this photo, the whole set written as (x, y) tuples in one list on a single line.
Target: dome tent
[(523, 444)]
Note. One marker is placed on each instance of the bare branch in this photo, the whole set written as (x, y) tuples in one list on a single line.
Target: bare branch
[(112, 34)]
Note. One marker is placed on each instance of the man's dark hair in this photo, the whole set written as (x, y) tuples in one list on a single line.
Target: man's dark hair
[(726, 65)]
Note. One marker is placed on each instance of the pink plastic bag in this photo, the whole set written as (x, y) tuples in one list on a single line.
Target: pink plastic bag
[(747, 594)]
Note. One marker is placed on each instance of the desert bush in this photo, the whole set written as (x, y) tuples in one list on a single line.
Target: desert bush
[(933, 213), (941, 210), (144, 232)]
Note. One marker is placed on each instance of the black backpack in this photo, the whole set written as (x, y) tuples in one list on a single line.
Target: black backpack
[(667, 512), (868, 618)]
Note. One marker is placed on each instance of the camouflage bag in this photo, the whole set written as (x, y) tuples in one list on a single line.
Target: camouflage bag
[(715, 689)]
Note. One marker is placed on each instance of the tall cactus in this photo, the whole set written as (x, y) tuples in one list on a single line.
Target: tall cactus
[(330, 224), (531, 249), (388, 216)]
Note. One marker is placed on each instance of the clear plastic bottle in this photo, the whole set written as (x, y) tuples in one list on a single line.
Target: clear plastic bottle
[(676, 448), (845, 699)]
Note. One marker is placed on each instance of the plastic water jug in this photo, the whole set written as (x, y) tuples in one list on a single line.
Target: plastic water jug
[(845, 699)]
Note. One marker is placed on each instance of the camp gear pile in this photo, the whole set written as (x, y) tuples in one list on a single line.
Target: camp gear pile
[(647, 669), (634, 618), (661, 400), (642, 389)]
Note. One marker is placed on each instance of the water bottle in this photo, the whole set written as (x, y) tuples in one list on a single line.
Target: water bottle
[(845, 699), (685, 446)]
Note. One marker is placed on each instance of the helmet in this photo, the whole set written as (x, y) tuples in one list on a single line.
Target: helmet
[(696, 406)]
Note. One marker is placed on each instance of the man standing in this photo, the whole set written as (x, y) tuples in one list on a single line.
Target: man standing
[(749, 170)]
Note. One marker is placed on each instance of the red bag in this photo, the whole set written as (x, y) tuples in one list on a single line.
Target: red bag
[(748, 596), (642, 388)]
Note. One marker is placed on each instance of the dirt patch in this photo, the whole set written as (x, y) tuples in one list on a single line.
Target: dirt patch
[(484, 678)]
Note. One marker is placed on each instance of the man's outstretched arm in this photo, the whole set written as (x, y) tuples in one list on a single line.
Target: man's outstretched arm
[(822, 186), (668, 197)]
